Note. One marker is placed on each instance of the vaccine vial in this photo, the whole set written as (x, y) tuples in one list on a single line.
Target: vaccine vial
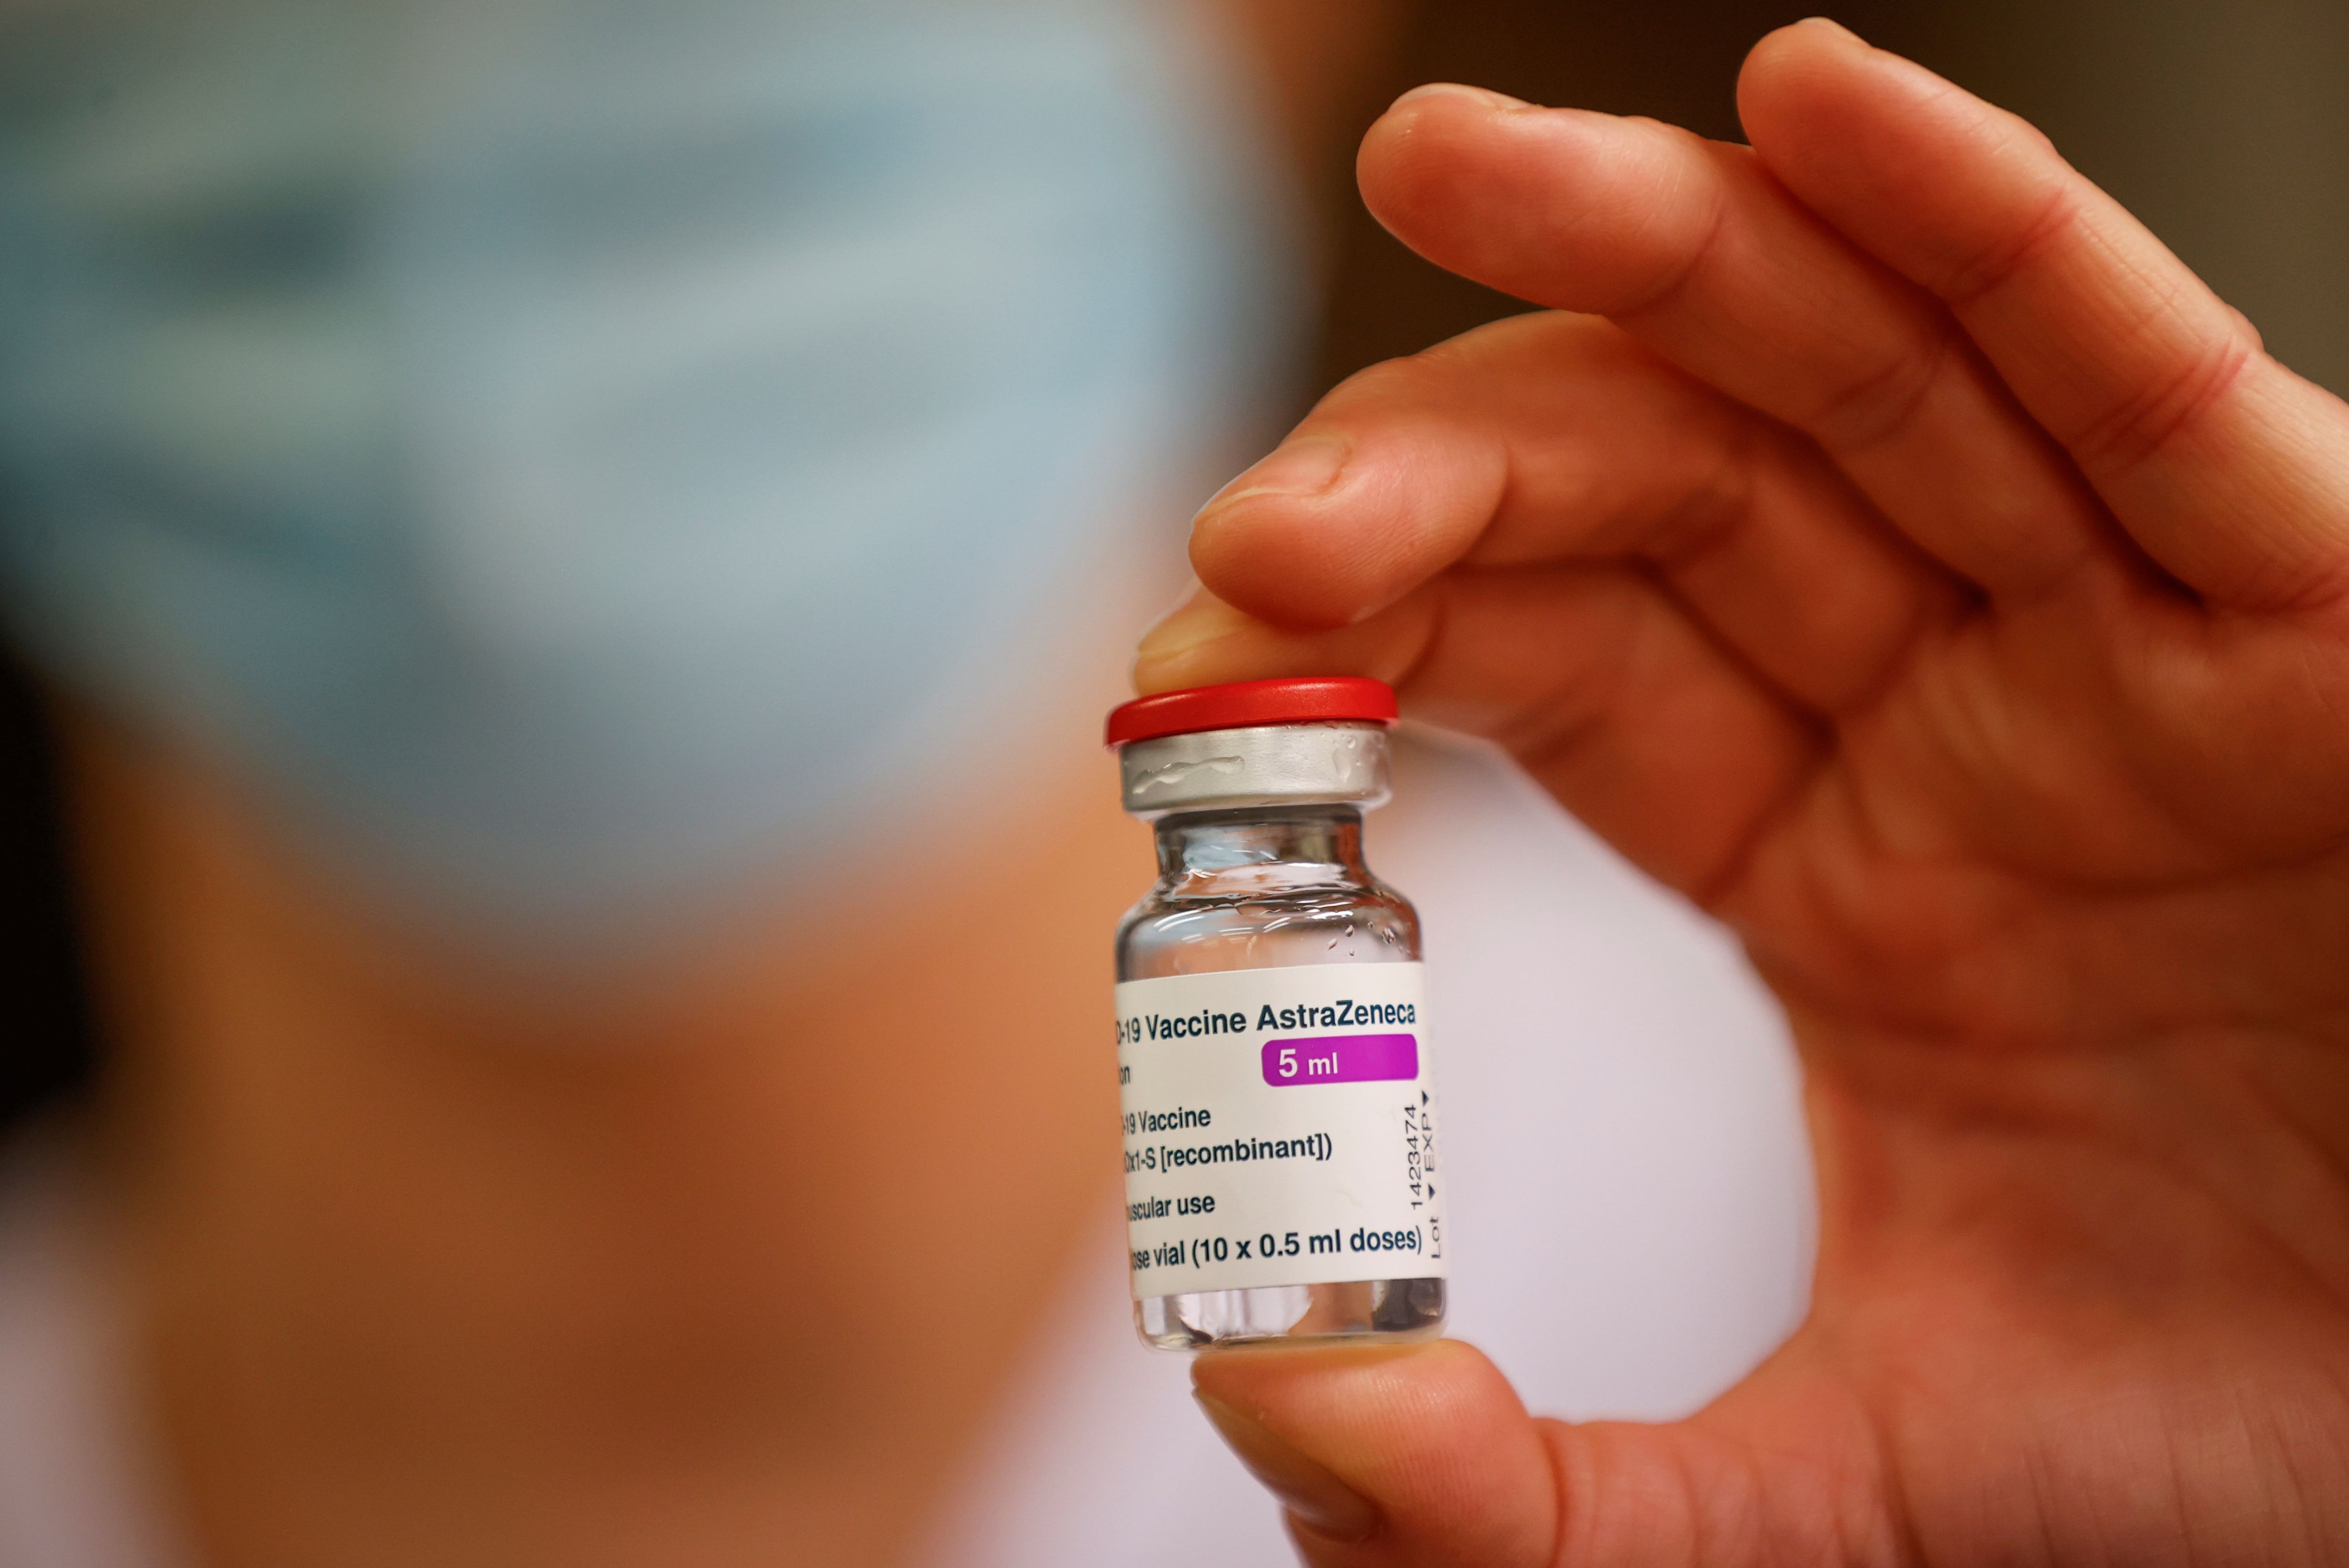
[(1279, 1114)]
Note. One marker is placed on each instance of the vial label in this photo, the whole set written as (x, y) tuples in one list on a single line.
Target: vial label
[(1279, 1128)]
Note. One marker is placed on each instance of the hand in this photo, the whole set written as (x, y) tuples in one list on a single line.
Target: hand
[(1902, 554)]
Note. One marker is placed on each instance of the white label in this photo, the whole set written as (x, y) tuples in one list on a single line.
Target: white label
[(1279, 1128)]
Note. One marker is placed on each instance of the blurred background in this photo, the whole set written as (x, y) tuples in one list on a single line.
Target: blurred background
[(1630, 1187), (2224, 126)]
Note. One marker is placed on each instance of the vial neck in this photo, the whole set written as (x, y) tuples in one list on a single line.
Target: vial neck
[(1214, 844)]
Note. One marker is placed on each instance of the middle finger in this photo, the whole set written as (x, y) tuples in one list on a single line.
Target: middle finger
[(1692, 246)]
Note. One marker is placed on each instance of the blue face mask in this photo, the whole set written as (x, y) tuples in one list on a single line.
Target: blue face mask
[(567, 448)]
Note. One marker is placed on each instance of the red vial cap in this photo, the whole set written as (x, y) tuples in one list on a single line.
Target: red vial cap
[(1243, 705)]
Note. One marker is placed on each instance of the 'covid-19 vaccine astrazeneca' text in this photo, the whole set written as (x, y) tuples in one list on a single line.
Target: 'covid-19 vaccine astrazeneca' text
[(1272, 1030)]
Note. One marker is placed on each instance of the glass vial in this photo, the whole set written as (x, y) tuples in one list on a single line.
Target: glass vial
[(1279, 1109)]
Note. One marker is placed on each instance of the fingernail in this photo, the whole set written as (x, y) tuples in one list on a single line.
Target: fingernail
[(1832, 26), (1316, 1497), (1486, 96), (1201, 617), (1306, 465)]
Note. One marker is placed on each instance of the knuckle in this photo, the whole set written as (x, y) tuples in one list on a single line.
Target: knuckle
[(1992, 265), (2167, 406), (1879, 403)]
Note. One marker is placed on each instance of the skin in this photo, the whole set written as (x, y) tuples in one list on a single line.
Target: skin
[(1886, 542), (433, 1258)]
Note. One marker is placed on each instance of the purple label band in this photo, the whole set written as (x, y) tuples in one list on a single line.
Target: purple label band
[(1341, 1058)]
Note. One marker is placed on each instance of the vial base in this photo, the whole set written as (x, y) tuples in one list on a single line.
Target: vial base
[(1358, 1309)]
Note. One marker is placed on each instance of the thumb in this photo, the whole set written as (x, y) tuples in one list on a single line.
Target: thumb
[(1424, 1456)]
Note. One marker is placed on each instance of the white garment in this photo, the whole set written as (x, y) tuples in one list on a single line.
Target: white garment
[(1629, 1207), (72, 1490)]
